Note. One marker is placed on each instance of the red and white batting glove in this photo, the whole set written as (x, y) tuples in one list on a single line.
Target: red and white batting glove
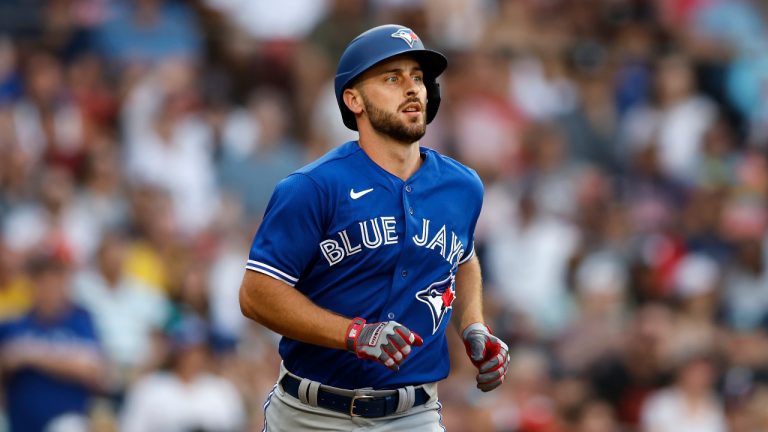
[(489, 354), (388, 343)]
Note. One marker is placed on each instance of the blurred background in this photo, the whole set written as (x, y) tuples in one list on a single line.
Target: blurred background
[(623, 145)]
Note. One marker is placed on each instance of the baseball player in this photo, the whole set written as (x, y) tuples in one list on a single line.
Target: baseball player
[(365, 255)]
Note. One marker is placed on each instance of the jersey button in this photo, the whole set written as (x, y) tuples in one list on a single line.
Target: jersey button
[(410, 211), (408, 188), (404, 273), (391, 315)]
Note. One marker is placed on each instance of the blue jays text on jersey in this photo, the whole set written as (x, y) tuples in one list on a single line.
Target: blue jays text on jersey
[(359, 241), (372, 237)]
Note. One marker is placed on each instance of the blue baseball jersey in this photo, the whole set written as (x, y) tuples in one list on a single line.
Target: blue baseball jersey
[(35, 397), (359, 241)]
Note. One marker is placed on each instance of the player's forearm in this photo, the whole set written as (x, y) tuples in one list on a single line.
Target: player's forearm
[(284, 310), (468, 307)]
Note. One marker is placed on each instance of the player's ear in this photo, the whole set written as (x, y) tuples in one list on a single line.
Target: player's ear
[(353, 100)]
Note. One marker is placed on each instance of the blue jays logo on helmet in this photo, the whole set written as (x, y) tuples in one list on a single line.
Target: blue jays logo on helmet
[(439, 297), (407, 35)]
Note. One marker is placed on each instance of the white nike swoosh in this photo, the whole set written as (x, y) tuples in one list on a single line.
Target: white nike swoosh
[(355, 195)]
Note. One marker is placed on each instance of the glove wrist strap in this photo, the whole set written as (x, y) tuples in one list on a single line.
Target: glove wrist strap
[(477, 326), (353, 332)]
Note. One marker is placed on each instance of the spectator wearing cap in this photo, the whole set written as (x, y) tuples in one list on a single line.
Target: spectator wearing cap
[(50, 357), (187, 396)]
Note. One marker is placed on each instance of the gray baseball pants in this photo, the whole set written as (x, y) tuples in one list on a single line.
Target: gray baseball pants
[(285, 413)]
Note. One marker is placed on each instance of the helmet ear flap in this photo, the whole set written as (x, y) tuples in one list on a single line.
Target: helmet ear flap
[(433, 99)]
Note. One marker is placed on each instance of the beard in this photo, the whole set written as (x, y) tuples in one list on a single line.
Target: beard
[(387, 123)]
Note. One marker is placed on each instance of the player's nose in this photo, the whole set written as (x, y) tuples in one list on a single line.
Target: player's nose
[(411, 86)]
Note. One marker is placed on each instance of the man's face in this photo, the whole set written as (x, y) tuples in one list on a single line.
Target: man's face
[(51, 294), (395, 99)]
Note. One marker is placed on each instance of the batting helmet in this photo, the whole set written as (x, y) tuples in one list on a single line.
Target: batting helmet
[(379, 44)]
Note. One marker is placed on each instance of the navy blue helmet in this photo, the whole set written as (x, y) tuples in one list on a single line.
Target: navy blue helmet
[(379, 44)]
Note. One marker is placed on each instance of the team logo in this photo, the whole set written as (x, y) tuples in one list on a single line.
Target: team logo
[(439, 297), (407, 35)]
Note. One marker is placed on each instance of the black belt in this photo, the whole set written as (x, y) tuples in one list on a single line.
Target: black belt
[(355, 406)]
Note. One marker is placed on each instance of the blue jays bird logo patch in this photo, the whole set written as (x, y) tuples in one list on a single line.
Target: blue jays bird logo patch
[(439, 297), (407, 35)]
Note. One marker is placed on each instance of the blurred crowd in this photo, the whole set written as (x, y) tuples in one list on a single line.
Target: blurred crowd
[(623, 145)]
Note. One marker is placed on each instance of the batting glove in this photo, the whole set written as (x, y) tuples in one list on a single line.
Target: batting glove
[(489, 355), (388, 343)]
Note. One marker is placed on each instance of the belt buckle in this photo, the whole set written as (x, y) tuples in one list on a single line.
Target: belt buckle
[(352, 404)]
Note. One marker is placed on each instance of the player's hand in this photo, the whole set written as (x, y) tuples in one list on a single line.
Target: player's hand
[(388, 343), (489, 354)]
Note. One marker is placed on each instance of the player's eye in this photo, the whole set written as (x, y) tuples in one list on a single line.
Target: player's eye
[(391, 79), (418, 78)]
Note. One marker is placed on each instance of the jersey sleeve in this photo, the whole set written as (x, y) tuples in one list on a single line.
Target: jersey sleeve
[(287, 239), (469, 253), (477, 191)]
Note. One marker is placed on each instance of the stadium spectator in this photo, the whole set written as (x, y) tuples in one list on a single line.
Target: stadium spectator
[(51, 359), (149, 31), (689, 404), (187, 396), (258, 152), (126, 314)]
